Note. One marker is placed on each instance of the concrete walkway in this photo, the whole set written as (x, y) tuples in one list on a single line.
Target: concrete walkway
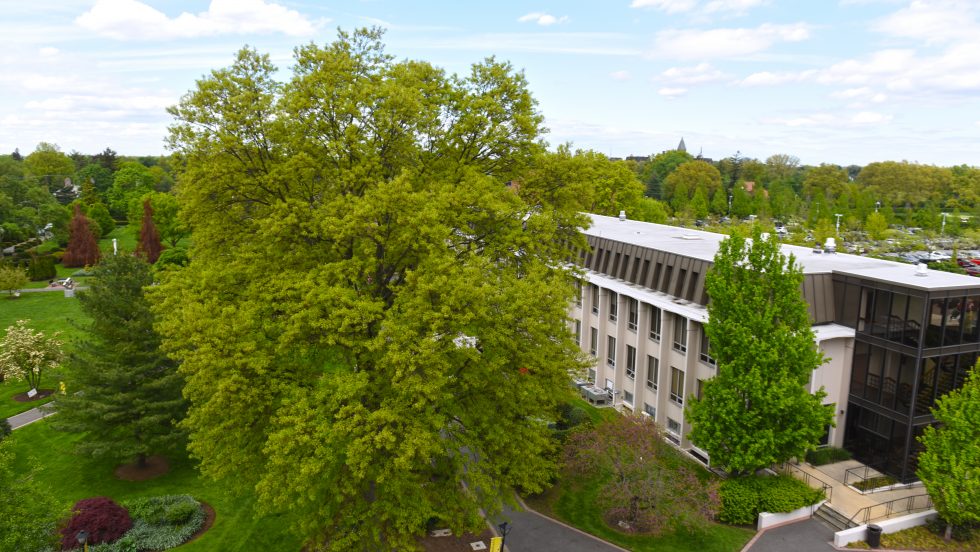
[(809, 535), (534, 532), (24, 418), (845, 499)]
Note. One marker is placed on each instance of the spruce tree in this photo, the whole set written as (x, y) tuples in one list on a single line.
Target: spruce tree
[(149, 246), (757, 410), (82, 249), (126, 394)]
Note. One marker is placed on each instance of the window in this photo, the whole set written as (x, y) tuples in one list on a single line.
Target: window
[(699, 391), (634, 315), (594, 344), (578, 332), (680, 333), (650, 410), (653, 372), (578, 295), (676, 385), (613, 306), (705, 354), (628, 397), (654, 313), (630, 362), (673, 431), (595, 298), (592, 375), (611, 351)]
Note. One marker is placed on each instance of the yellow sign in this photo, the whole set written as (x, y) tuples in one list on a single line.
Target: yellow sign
[(496, 543)]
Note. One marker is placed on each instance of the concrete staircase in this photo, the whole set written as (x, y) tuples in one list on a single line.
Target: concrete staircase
[(829, 515)]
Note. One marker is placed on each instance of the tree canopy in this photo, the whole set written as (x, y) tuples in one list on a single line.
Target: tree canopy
[(26, 353), (371, 317), (757, 411), (950, 464)]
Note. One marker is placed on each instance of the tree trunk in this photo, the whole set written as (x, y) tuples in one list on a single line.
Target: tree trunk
[(634, 510), (141, 460), (948, 535)]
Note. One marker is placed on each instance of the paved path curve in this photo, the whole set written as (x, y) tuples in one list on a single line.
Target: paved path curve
[(534, 532)]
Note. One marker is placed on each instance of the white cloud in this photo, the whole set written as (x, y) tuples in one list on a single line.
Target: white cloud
[(932, 22), (621, 75), (725, 42), (544, 19), (669, 6), (131, 19), (48, 51), (863, 94), (737, 6), (767, 78), (831, 120), (671, 93), (697, 74)]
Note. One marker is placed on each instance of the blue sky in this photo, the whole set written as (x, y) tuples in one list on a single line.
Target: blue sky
[(847, 82)]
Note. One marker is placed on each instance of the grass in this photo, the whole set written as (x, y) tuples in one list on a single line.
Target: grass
[(235, 528), (49, 312), (874, 483)]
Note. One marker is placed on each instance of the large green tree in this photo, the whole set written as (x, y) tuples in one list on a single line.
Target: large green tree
[(126, 394), (689, 177), (950, 464), (658, 168), (756, 411), (29, 510), (371, 318)]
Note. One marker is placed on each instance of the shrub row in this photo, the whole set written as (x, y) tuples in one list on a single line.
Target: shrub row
[(827, 455), (742, 498)]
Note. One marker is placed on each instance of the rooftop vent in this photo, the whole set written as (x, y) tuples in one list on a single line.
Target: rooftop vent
[(689, 237), (622, 215), (830, 246), (921, 269)]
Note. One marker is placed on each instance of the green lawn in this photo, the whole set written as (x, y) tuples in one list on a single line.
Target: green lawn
[(74, 478), (48, 311)]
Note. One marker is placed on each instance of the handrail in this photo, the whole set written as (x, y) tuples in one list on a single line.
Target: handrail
[(889, 508), (827, 489), (864, 476)]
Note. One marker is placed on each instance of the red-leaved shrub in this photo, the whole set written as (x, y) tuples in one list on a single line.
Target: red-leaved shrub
[(104, 520)]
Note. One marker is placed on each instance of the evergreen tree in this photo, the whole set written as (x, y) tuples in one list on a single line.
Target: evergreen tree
[(950, 464), (149, 246), (83, 249), (757, 411), (126, 393)]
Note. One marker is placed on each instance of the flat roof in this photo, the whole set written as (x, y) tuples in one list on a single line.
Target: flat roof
[(699, 244)]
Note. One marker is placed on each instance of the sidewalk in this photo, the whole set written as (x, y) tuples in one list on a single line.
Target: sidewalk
[(24, 418)]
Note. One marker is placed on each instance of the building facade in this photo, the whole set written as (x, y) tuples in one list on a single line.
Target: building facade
[(895, 337)]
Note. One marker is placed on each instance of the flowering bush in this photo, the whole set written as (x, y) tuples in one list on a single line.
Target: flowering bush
[(26, 353)]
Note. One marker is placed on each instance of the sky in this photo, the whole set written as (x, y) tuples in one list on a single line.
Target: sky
[(827, 81)]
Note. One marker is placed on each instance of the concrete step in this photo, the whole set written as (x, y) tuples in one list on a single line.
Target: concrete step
[(829, 515)]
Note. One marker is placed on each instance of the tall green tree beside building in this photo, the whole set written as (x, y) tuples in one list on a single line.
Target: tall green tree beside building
[(372, 316), (126, 394), (757, 410), (950, 464)]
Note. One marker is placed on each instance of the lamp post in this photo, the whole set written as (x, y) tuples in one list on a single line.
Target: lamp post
[(877, 205), (504, 531), (942, 229), (837, 227), (729, 204), (82, 538)]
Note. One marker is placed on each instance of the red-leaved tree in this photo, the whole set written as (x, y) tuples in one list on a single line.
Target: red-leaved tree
[(647, 485), (82, 248), (149, 246), (100, 517)]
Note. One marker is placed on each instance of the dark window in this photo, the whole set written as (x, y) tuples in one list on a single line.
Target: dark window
[(650, 410), (655, 284), (630, 362), (680, 333), (655, 320), (628, 397), (645, 273), (613, 306), (615, 267), (676, 385), (594, 343), (653, 372), (636, 269), (624, 267), (595, 298), (699, 391), (681, 279), (634, 314), (666, 283), (693, 285), (705, 353), (611, 351), (926, 396), (578, 332)]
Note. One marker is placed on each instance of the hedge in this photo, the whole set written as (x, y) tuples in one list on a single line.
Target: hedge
[(742, 498)]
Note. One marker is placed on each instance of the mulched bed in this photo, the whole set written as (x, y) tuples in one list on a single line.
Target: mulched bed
[(155, 467), (209, 515), (454, 543), (41, 394)]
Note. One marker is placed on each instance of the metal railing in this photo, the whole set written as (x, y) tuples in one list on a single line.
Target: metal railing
[(809, 479), (914, 503), (868, 473)]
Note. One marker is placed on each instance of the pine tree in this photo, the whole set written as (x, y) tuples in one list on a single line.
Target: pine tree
[(149, 246), (127, 393), (757, 411), (82, 249)]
